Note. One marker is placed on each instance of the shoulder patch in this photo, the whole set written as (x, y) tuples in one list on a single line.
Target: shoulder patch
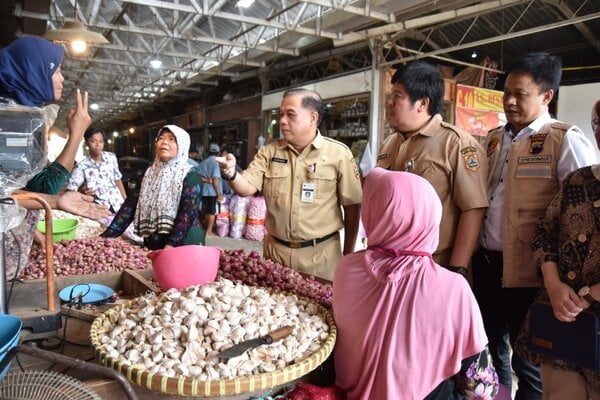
[(491, 146), (471, 158)]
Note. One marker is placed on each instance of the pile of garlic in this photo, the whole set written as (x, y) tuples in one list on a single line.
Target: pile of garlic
[(179, 333)]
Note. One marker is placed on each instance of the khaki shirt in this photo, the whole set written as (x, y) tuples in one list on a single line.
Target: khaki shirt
[(452, 161), (279, 172)]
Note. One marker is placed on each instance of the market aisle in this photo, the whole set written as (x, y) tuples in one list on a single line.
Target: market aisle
[(227, 243)]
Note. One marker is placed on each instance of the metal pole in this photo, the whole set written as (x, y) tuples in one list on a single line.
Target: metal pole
[(3, 294)]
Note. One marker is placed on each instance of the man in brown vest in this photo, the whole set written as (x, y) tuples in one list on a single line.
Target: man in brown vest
[(528, 158)]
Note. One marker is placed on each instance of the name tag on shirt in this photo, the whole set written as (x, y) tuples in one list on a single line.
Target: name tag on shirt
[(279, 160), (308, 192)]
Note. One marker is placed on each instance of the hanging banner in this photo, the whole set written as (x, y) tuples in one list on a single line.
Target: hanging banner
[(476, 122), (478, 110)]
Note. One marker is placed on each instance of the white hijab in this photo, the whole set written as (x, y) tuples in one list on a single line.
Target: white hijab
[(161, 188)]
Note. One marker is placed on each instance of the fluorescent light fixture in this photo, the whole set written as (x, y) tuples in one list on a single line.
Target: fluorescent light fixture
[(244, 3), (155, 63)]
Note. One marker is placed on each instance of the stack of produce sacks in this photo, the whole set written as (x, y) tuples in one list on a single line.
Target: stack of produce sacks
[(222, 220), (255, 224), (238, 211)]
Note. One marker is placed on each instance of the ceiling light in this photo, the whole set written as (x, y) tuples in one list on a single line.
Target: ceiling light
[(74, 30), (94, 106), (155, 63), (474, 54), (115, 134), (78, 46), (244, 3), (131, 130)]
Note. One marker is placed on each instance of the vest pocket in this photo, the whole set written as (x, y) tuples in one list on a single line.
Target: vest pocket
[(534, 171)]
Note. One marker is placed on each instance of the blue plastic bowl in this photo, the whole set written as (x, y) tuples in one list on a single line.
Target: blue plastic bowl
[(10, 330)]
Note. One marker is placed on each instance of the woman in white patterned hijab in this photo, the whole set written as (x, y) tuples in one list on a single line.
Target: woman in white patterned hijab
[(166, 212)]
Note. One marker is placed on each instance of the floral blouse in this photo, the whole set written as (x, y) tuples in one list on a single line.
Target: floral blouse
[(569, 234), (187, 214), (101, 177)]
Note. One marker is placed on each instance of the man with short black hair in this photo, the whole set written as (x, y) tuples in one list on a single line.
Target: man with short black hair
[(529, 157), (448, 157), (311, 186)]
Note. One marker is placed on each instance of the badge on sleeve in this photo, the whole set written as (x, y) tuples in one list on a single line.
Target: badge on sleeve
[(471, 158), (491, 147), (537, 142)]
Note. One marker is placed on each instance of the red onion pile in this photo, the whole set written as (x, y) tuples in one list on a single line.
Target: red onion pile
[(87, 256), (252, 269)]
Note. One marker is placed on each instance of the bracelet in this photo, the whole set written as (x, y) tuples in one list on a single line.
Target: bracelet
[(229, 178)]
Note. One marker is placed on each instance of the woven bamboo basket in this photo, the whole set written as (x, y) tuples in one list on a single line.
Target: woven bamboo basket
[(183, 386)]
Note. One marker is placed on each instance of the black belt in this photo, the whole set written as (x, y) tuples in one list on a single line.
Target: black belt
[(306, 243)]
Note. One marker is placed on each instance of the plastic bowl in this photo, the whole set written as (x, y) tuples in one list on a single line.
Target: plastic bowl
[(10, 330), (183, 266), (64, 228)]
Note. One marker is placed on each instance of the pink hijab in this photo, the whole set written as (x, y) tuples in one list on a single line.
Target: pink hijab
[(404, 323)]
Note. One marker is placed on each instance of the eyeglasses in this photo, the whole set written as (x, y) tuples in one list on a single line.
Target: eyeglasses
[(595, 123)]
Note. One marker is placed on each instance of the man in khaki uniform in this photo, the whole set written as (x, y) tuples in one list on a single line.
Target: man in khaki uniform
[(306, 179), (450, 159)]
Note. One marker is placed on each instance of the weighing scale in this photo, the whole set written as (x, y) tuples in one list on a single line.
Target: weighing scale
[(22, 155)]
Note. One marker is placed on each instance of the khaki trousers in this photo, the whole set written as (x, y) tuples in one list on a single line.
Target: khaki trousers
[(319, 260), (565, 385)]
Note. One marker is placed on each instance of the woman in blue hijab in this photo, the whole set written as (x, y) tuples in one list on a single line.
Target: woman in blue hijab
[(30, 76)]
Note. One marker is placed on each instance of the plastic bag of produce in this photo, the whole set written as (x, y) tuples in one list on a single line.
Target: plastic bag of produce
[(222, 221), (237, 215), (255, 223), (306, 391)]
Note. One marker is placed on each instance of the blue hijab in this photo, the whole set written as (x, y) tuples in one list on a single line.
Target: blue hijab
[(26, 69)]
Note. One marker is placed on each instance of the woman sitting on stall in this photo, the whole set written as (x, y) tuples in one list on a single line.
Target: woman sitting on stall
[(30, 76), (98, 174), (166, 212), (407, 328)]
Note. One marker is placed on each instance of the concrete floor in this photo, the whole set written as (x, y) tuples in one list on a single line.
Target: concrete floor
[(227, 243)]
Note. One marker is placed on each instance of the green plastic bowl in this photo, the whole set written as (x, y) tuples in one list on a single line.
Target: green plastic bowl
[(61, 228)]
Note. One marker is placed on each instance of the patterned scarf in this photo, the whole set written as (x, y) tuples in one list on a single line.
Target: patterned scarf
[(26, 69), (161, 188)]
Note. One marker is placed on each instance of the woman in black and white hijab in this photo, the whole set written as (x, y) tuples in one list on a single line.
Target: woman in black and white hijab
[(166, 212)]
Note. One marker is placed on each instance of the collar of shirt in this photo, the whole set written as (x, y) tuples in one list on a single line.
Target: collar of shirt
[(429, 129), (317, 143), (532, 127)]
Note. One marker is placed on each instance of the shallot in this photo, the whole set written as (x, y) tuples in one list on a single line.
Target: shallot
[(252, 269), (87, 256)]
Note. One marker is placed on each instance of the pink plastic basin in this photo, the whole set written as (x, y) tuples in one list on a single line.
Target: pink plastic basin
[(183, 266)]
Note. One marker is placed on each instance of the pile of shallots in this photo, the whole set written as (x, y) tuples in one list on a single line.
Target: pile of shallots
[(87, 256), (252, 269)]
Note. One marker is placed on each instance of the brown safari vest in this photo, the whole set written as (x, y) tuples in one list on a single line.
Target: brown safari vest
[(531, 184)]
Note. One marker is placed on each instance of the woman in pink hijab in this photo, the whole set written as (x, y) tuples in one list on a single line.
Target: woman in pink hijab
[(407, 328)]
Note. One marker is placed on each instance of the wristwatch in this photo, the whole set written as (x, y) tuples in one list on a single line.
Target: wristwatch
[(585, 293)]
